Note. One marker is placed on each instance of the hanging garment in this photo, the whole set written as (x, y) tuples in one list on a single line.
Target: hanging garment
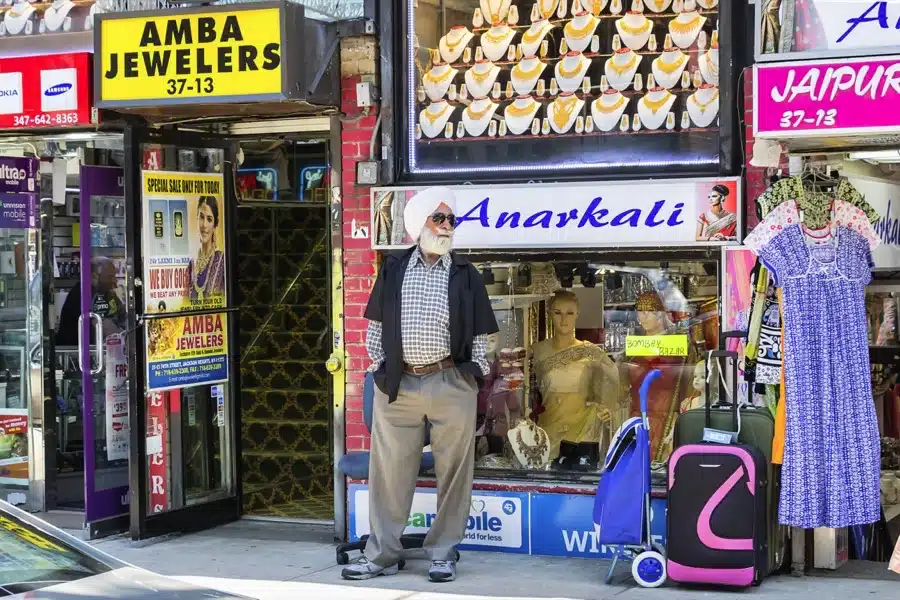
[(781, 411), (831, 469), (815, 205), (809, 33)]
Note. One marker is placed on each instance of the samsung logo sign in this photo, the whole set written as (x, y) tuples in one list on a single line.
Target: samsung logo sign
[(58, 90), (9, 93)]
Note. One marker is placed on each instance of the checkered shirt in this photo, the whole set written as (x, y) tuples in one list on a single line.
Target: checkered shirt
[(424, 318)]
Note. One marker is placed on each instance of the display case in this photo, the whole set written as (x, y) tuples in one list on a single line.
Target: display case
[(501, 87)]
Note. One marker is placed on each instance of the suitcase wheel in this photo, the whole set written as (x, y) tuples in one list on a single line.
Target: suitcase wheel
[(649, 569)]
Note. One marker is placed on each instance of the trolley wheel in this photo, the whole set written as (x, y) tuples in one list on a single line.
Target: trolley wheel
[(457, 555), (649, 569), (401, 564), (343, 558)]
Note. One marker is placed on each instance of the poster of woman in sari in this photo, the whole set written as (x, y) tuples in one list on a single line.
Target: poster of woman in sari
[(718, 223)]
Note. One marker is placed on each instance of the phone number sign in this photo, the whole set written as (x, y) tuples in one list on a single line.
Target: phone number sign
[(52, 91), (827, 98)]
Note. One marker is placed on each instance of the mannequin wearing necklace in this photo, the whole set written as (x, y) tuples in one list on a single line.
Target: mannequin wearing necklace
[(607, 110), (478, 115), (685, 28), (453, 44), (18, 19), (578, 382), (56, 17), (433, 119), (519, 115), (437, 81), (668, 67), (570, 71), (658, 6), (533, 36), (709, 65), (495, 11), (621, 67), (579, 30), (654, 107), (481, 77), (525, 74), (495, 41), (703, 105), (634, 29), (563, 111)]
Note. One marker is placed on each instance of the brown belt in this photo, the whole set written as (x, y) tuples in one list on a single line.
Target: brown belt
[(435, 367)]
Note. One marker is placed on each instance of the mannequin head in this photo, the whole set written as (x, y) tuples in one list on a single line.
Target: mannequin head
[(564, 313), (700, 376), (651, 313), (493, 343)]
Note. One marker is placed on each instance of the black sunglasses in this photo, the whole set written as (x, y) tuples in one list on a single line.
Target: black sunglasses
[(439, 217)]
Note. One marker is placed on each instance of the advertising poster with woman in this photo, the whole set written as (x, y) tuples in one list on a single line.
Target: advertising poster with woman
[(184, 271), (718, 220)]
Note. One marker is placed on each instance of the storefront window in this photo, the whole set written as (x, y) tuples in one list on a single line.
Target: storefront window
[(576, 340), (496, 86)]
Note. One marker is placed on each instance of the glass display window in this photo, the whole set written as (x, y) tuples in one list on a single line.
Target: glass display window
[(503, 86), (576, 340)]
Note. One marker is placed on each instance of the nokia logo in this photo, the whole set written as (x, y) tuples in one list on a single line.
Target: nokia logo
[(4, 93), (58, 89)]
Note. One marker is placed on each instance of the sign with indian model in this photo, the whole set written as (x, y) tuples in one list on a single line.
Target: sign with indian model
[(678, 212), (208, 54), (184, 271)]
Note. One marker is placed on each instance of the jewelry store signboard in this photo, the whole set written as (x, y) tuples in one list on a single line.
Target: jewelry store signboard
[(678, 212)]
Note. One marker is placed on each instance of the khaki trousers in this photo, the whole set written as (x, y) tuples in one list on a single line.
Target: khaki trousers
[(448, 400)]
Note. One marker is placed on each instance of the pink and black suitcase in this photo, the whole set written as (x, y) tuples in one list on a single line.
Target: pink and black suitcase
[(717, 521)]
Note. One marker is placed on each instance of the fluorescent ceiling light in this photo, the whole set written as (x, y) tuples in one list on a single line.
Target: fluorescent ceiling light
[(881, 156)]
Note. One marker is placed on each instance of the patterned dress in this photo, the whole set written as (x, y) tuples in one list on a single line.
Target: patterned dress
[(830, 476)]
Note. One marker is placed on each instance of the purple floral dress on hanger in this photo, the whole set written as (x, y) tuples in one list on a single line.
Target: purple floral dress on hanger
[(832, 461)]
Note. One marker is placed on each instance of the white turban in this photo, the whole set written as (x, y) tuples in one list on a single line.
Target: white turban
[(423, 205)]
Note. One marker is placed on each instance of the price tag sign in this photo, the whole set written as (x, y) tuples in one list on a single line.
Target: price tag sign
[(656, 345)]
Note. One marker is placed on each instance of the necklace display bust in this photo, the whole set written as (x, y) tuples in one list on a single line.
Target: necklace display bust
[(596, 6), (570, 71), (654, 107), (496, 40), (434, 118), (534, 35), (703, 105), (547, 8), (709, 65), (478, 115), (579, 30), (668, 67), (437, 81), (481, 77), (634, 29), (708, 4), (658, 6), (56, 17), (525, 74), (452, 45), (563, 111), (519, 115), (494, 11), (685, 28), (18, 19), (621, 68), (607, 110), (530, 444)]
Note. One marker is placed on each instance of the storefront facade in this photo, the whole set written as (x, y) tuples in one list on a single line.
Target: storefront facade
[(591, 153)]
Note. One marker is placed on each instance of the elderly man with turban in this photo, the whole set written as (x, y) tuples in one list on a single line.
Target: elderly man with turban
[(429, 321)]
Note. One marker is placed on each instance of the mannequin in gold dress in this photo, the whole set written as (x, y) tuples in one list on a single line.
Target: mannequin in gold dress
[(578, 382)]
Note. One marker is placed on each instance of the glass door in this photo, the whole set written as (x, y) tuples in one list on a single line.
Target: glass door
[(184, 418), (101, 332)]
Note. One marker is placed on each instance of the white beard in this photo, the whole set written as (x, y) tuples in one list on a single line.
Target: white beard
[(433, 243)]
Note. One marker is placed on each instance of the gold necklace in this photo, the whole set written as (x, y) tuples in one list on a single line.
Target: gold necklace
[(517, 71), (547, 11), (495, 11), (597, 6), (669, 68), (429, 78), (530, 37), (480, 77), (451, 46), (655, 105), (572, 72), (677, 26), (495, 39), (620, 70), (704, 105), (658, 5), (562, 111), (713, 68), (534, 455), (477, 115), (516, 111), (604, 108), (203, 260), (432, 117), (576, 33), (635, 30)]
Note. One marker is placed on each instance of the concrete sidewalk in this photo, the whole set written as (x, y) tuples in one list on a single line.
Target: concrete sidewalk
[(275, 561)]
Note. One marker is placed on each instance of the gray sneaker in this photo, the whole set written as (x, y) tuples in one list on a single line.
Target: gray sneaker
[(442, 571), (363, 569)]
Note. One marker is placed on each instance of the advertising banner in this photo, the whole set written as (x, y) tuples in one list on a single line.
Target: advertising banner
[(184, 270), (686, 212), (18, 174), (190, 55), (19, 211), (46, 91), (117, 429), (826, 98), (14, 447), (884, 197)]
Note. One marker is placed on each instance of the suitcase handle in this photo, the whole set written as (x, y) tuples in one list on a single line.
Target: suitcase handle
[(715, 355)]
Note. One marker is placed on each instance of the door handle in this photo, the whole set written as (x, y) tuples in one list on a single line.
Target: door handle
[(98, 335), (80, 344)]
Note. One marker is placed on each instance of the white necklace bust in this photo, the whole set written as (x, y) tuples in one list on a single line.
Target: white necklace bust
[(685, 28), (668, 67), (579, 30), (703, 105), (494, 11), (564, 111), (654, 107), (56, 17), (607, 110), (433, 118), (525, 74), (709, 65), (621, 68), (481, 77), (478, 115), (534, 35), (495, 41), (658, 6), (570, 71), (18, 19), (634, 29), (452, 45), (437, 81), (519, 115)]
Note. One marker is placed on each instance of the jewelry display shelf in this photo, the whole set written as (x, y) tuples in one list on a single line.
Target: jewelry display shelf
[(547, 97), (549, 59), (553, 135), (712, 12), (40, 7)]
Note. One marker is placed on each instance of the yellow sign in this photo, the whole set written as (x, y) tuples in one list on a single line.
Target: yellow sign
[(190, 55), (656, 345)]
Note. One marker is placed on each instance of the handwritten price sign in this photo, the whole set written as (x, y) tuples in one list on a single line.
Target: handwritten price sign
[(656, 345)]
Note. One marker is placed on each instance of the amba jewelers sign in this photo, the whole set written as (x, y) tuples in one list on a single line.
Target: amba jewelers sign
[(209, 54)]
